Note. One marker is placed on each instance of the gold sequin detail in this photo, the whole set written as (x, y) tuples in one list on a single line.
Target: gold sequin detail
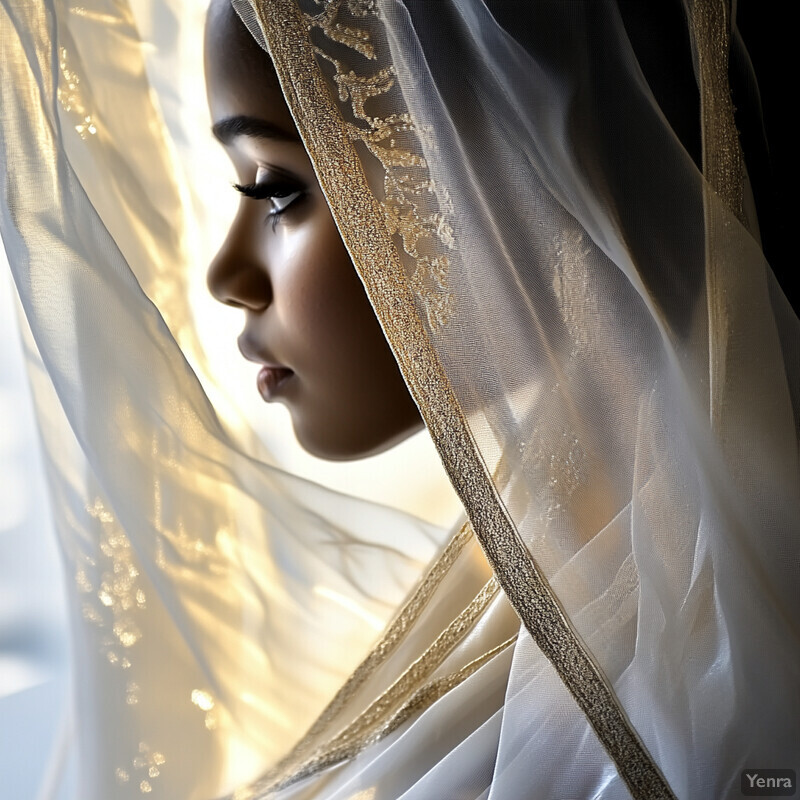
[(112, 603), (561, 464), (132, 693), (145, 768), (204, 700), (117, 598), (69, 95), (369, 237), (571, 286)]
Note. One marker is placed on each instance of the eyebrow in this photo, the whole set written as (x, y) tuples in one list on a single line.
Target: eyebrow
[(226, 130)]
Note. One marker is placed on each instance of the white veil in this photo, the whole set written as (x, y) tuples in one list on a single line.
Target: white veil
[(600, 351), (200, 579), (595, 341)]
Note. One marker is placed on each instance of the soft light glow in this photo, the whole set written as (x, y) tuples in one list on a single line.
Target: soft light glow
[(202, 700), (350, 605)]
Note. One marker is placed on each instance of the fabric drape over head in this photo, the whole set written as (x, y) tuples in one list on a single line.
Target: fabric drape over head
[(571, 278)]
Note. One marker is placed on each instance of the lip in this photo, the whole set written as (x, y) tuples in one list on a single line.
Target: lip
[(272, 376), (271, 379)]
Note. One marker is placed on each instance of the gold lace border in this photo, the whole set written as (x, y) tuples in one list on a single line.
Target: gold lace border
[(422, 698), (308, 750), (408, 695)]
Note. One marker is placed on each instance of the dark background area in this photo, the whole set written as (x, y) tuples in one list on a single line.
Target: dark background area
[(771, 40)]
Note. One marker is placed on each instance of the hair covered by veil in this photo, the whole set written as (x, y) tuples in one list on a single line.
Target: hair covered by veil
[(572, 282)]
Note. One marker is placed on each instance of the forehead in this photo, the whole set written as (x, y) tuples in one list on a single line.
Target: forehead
[(240, 79)]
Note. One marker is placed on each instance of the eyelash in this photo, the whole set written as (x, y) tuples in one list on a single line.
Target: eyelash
[(271, 190)]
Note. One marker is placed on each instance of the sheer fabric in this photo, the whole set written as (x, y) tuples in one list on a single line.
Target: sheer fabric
[(580, 305), (191, 564), (601, 313)]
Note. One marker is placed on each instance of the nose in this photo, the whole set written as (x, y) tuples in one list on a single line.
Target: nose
[(237, 276)]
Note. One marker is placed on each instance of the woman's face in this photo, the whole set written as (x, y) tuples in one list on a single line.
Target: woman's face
[(307, 319)]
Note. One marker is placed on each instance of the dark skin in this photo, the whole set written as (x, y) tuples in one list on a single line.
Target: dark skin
[(308, 321)]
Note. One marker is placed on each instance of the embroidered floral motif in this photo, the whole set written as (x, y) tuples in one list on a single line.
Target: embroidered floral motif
[(412, 204)]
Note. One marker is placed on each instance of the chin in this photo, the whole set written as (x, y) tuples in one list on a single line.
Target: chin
[(340, 443)]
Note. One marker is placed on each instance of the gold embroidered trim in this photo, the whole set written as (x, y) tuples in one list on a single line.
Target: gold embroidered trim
[(368, 236), (723, 163), (423, 698), (424, 665), (371, 724), (723, 166), (411, 203), (393, 636)]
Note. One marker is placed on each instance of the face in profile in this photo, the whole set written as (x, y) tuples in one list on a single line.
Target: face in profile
[(308, 322)]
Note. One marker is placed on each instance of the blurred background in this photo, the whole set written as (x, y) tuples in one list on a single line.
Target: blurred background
[(34, 641)]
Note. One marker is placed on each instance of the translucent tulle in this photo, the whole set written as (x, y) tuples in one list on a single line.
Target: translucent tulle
[(200, 580), (618, 381)]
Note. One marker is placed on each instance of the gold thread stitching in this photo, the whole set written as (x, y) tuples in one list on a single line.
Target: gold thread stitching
[(394, 635), (422, 699)]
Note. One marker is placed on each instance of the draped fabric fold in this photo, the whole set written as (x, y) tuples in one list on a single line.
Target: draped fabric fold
[(544, 255), (192, 567), (556, 232)]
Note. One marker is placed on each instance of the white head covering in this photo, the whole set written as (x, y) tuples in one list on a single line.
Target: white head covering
[(597, 346)]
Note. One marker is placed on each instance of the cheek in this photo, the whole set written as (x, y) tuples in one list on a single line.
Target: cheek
[(320, 296), (350, 399)]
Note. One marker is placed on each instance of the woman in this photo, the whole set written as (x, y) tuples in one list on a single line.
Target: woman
[(585, 322)]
